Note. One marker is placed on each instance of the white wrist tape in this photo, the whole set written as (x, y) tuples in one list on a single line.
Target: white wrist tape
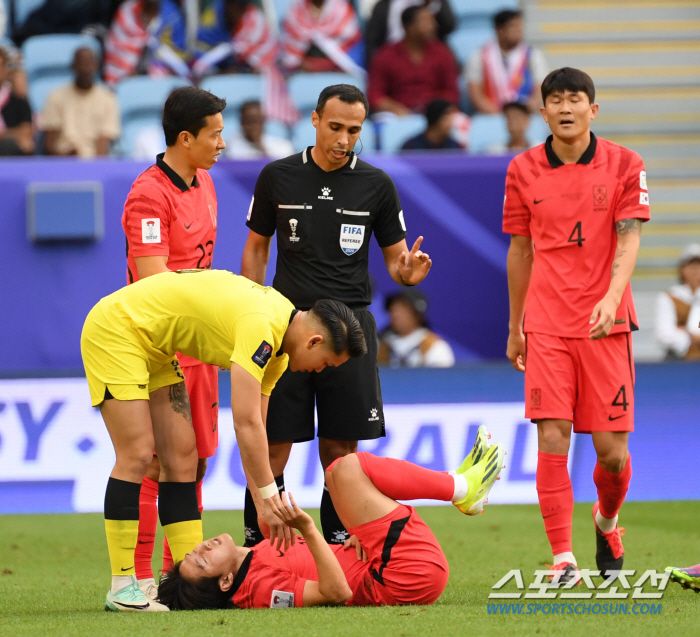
[(269, 491)]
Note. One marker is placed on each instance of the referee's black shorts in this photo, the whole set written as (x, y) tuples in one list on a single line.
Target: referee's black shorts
[(348, 398)]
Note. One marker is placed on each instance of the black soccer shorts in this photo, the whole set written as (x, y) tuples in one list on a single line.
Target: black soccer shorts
[(348, 398)]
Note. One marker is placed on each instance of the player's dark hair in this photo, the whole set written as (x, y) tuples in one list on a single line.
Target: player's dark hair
[(342, 326), (408, 16), (345, 93), (178, 593), (504, 17), (186, 109), (568, 79)]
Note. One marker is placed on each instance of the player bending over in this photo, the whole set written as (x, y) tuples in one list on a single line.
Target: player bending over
[(396, 559), (128, 345)]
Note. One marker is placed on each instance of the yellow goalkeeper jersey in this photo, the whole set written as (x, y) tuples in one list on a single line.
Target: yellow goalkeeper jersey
[(214, 316)]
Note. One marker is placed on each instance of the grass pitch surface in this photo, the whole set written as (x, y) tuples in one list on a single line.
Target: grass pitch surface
[(54, 574)]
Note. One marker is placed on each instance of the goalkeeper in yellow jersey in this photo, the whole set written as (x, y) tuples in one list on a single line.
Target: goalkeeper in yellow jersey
[(128, 345)]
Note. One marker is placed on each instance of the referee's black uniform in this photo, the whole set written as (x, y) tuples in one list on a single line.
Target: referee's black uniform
[(324, 221)]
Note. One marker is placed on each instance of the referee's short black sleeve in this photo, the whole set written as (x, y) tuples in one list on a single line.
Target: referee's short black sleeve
[(262, 216), (389, 226)]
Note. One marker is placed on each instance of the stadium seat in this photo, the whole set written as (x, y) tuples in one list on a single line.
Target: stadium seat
[(282, 7), (471, 9), (47, 55), (395, 132), (22, 9), (465, 42), (537, 130), (143, 96), (487, 130), (235, 89), (276, 129), (306, 87), (39, 89)]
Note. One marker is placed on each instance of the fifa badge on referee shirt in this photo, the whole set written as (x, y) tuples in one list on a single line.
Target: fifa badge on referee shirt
[(351, 238)]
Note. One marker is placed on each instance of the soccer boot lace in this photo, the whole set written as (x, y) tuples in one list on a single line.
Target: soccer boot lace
[(480, 478), (132, 599)]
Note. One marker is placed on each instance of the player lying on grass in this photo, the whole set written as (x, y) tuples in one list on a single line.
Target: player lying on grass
[(392, 557), (128, 345), (688, 577)]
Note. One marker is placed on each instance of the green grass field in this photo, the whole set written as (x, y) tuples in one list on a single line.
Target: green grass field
[(54, 575)]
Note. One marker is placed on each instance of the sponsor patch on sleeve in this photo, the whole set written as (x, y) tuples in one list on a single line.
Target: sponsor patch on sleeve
[(150, 230), (262, 354), (282, 599), (644, 198), (402, 221), (643, 179)]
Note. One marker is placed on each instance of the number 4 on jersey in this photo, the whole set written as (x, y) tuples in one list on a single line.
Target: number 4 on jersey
[(621, 394), (576, 236)]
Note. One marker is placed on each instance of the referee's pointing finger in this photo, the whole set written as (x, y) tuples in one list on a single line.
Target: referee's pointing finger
[(416, 245)]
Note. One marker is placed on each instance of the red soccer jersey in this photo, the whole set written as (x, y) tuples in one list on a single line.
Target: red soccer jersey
[(269, 578), (163, 216), (570, 211)]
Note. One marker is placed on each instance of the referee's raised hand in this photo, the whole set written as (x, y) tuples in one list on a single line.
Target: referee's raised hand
[(414, 265)]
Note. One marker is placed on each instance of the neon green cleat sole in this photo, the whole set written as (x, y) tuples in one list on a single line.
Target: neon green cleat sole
[(481, 445), (687, 577), (481, 478)]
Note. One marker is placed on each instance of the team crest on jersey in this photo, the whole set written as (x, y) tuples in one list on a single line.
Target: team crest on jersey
[(351, 238), (600, 197)]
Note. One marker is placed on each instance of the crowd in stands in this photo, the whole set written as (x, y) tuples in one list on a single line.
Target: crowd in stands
[(398, 50)]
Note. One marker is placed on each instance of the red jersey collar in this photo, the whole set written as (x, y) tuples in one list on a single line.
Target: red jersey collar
[(174, 177), (242, 572), (586, 158)]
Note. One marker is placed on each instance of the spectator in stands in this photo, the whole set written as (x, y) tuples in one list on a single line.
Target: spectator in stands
[(81, 118), (517, 120), (506, 69), (438, 135), (234, 37), (16, 133), (321, 35), (147, 37), (67, 16), (408, 342), (251, 142), (678, 310), (407, 75), (385, 23)]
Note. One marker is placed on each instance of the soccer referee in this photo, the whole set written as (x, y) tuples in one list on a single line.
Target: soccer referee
[(324, 203)]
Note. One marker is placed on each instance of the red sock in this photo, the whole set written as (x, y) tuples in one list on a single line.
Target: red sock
[(556, 499), (403, 480), (148, 519), (612, 488), (167, 555)]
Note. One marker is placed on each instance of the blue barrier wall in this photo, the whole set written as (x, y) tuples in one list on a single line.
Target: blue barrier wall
[(55, 453), (47, 290)]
